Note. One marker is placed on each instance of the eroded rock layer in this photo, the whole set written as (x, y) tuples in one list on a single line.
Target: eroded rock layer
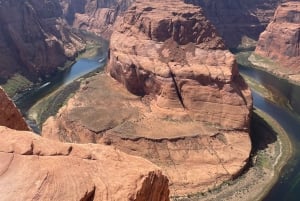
[(10, 116), (281, 41), (34, 38), (34, 168), (170, 52), (176, 99)]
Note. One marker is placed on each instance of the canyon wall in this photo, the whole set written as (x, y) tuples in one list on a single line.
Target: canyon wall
[(95, 16), (280, 41), (235, 19), (34, 39)]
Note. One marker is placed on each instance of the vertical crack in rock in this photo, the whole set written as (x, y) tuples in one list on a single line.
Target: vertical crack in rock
[(38, 194), (89, 196), (30, 151), (176, 87), (218, 157)]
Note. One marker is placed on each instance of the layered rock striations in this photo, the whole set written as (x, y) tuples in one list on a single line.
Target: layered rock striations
[(34, 168), (10, 116), (34, 38), (176, 99), (236, 20), (171, 53), (280, 41), (95, 16)]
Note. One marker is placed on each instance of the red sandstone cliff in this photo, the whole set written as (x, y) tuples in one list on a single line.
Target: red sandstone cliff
[(280, 41), (10, 116), (235, 19), (176, 99), (34, 38)]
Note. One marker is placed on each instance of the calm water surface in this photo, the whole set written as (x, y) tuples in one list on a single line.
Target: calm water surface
[(288, 186)]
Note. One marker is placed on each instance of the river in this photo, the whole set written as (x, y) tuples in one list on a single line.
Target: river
[(287, 114), (287, 187), (84, 65)]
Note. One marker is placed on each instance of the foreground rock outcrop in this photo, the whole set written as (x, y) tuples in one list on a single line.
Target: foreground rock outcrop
[(176, 99), (34, 168), (34, 38), (280, 41), (10, 116)]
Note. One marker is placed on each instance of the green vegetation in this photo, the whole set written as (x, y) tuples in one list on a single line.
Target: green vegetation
[(15, 84), (50, 105)]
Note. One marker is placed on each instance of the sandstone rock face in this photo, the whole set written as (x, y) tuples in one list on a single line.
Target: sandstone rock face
[(95, 16), (34, 39), (10, 115), (34, 168), (281, 40), (235, 19), (170, 52), (176, 99)]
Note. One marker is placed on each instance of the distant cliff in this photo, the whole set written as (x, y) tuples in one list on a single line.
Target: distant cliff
[(96, 16), (235, 19), (280, 41), (34, 38)]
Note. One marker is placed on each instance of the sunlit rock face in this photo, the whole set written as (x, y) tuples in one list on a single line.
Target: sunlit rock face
[(172, 53), (35, 168)]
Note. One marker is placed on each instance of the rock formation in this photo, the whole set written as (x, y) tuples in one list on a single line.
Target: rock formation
[(34, 168), (185, 65), (34, 38), (280, 41), (10, 116), (95, 16), (237, 19), (178, 101)]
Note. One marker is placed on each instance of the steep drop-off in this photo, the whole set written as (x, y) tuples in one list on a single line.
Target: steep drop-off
[(178, 101), (237, 19), (280, 42), (94, 16), (34, 38)]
